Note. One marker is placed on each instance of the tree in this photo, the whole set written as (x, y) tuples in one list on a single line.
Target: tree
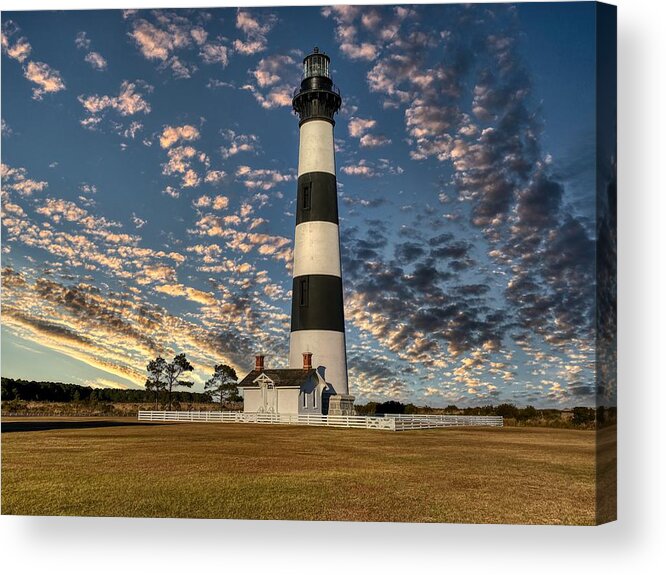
[(223, 384), (165, 376), (391, 407), (507, 410), (156, 380), (527, 413), (173, 371), (583, 415)]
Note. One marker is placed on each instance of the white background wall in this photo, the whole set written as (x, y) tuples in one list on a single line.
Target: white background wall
[(251, 399), (634, 544), (288, 400)]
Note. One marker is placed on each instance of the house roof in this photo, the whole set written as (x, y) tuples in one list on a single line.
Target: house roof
[(280, 377)]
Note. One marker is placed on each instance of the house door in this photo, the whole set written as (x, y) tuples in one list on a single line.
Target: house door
[(269, 398)]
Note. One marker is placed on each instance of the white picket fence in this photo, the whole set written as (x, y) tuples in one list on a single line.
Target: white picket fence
[(405, 422), (390, 423)]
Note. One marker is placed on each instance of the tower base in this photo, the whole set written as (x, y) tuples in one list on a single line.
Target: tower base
[(341, 405)]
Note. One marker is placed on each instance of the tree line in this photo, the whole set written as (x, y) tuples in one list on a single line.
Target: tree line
[(160, 388), (578, 416), (25, 390)]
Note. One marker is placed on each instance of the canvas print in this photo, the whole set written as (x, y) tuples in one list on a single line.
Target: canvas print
[(351, 263)]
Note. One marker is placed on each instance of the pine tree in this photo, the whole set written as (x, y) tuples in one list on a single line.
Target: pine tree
[(223, 384), (165, 376)]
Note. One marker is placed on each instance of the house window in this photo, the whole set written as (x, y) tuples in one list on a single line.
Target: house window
[(314, 399), (307, 196), (305, 400), (303, 291)]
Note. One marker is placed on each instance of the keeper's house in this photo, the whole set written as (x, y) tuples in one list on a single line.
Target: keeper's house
[(293, 391)]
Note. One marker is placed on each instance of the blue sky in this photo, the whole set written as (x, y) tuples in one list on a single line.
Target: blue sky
[(149, 163)]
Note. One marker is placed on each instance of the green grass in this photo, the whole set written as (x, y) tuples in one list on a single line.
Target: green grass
[(510, 475)]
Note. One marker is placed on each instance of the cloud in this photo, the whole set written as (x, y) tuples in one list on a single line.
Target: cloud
[(273, 80), (267, 72), (16, 179), (237, 143), (220, 202), (367, 169), (215, 176), (180, 163), (83, 324), (359, 126), (364, 51), (7, 132), (158, 41), (374, 141), (364, 202), (171, 192), (199, 35), (19, 49), (96, 60), (47, 79), (130, 101), (57, 209), (262, 179), (202, 202), (276, 97), (169, 38), (130, 131), (209, 225), (138, 222), (192, 294), (214, 54), (118, 332), (256, 28), (346, 30), (82, 41), (215, 83), (172, 134)]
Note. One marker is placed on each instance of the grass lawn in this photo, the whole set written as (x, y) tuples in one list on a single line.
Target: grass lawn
[(119, 467)]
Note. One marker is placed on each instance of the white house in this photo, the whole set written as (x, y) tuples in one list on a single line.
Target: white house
[(294, 391)]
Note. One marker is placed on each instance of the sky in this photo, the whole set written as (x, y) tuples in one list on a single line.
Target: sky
[(149, 178)]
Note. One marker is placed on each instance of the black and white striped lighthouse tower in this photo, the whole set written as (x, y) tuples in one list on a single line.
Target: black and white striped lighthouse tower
[(317, 314)]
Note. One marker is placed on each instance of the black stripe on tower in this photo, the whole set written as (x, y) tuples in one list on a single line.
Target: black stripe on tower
[(317, 303), (317, 198)]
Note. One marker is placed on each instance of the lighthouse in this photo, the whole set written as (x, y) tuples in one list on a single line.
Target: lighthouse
[(317, 312), (316, 381)]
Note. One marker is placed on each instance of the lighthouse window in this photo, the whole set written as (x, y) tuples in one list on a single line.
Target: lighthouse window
[(307, 196), (316, 66), (303, 292)]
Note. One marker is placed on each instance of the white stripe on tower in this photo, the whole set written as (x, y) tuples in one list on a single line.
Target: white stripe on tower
[(317, 249), (316, 151)]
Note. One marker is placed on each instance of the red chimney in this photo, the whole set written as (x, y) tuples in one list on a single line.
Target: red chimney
[(307, 360), (259, 362)]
